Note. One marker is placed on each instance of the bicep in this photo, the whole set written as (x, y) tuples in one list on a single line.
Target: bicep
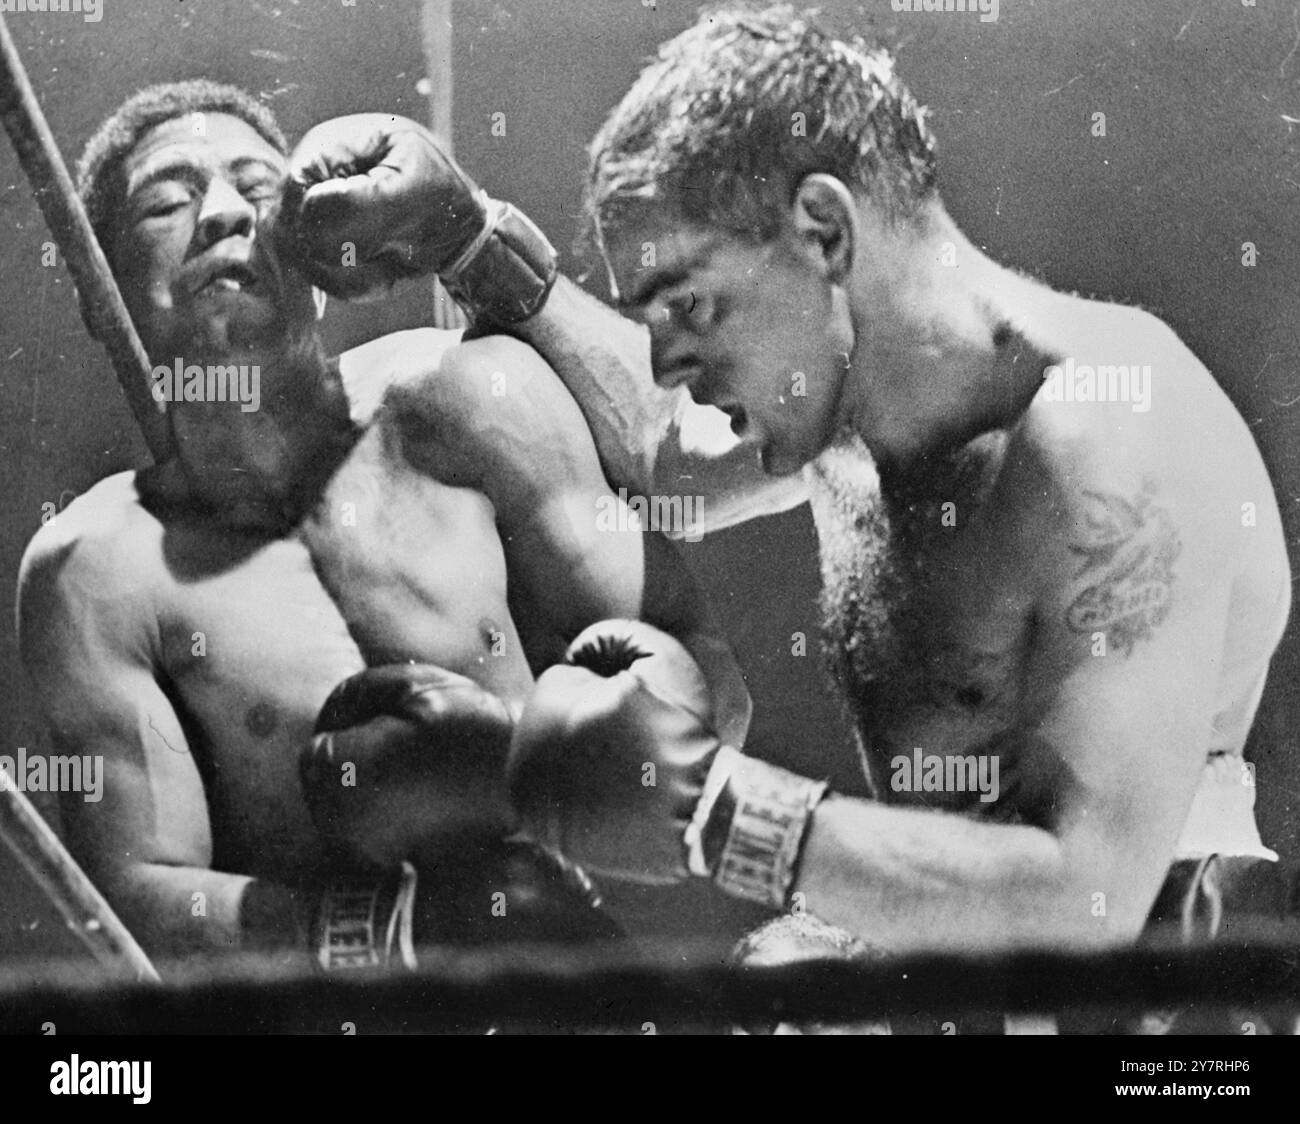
[(1131, 654), (101, 700)]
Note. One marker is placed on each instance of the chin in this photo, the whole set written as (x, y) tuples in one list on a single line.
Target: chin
[(786, 457)]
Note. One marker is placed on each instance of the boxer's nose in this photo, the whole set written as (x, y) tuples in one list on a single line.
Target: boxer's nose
[(224, 214), (672, 362)]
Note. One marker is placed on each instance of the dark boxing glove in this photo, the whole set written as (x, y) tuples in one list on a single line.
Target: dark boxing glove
[(383, 184), (406, 756), (611, 753), (486, 893), (404, 777)]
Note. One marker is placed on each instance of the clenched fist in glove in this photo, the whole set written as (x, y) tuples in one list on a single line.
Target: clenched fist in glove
[(372, 199), (405, 778), (404, 756), (615, 763), (611, 753)]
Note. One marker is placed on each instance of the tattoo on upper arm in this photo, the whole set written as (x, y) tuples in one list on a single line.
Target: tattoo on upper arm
[(1127, 552)]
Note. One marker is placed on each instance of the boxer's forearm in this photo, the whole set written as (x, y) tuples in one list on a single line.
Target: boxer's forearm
[(604, 360), (906, 878), (182, 911)]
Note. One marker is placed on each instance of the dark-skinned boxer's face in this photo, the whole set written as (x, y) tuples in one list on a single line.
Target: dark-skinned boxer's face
[(753, 329), (197, 275)]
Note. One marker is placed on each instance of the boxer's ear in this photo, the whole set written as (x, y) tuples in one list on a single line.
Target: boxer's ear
[(321, 298), (825, 224)]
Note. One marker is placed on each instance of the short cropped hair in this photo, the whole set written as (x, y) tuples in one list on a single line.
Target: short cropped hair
[(739, 108), (99, 171)]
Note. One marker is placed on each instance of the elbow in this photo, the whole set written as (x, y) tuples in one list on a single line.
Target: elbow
[(1052, 898), (1066, 910)]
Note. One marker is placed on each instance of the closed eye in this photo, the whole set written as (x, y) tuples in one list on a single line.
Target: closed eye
[(163, 200), (258, 191), (694, 309)]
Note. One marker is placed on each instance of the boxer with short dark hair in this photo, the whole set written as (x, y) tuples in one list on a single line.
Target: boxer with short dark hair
[(1033, 557), (301, 644), (100, 180)]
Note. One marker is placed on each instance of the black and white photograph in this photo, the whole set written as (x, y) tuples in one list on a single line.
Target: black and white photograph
[(650, 517)]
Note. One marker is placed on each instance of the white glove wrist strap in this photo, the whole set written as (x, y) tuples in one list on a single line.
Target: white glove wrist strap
[(350, 926), (769, 810)]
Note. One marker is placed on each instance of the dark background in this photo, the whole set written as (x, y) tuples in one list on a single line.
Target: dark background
[(1199, 158)]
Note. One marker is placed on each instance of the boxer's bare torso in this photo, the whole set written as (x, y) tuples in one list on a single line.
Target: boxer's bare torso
[(249, 631), (201, 654), (936, 627), (1096, 618)]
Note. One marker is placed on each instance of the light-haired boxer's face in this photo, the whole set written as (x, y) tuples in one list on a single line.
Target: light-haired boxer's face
[(197, 275), (747, 328)]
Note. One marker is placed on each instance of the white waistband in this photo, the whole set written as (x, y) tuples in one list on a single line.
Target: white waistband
[(1222, 817)]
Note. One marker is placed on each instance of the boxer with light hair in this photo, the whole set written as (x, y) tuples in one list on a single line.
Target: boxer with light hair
[(1028, 559)]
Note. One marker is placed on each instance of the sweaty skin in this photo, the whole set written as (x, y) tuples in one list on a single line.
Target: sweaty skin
[(1088, 593), (428, 500)]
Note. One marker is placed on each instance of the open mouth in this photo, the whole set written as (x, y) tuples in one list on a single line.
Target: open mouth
[(739, 418), (231, 277)]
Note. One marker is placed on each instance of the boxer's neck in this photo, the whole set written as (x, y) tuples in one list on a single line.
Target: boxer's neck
[(950, 344), (267, 465)]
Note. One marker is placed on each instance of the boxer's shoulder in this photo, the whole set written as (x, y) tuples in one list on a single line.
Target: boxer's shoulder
[(1132, 406), (105, 543), (391, 364), (108, 525), (492, 401), (1135, 443), (496, 379)]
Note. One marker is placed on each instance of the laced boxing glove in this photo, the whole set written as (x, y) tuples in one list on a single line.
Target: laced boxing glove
[(404, 780), (615, 763), (405, 755), (373, 199), (610, 755)]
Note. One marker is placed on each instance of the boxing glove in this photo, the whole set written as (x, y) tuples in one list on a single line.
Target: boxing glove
[(372, 199), (405, 757), (480, 893), (610, 755)]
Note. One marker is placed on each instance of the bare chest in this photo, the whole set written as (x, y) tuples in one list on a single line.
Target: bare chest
[(925, 628), (252, 645), (415, 567), (256, 633)]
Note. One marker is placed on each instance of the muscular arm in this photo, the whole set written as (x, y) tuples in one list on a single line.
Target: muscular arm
[(574, 556), (87, 639), (651, 441), (1117, 743)]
